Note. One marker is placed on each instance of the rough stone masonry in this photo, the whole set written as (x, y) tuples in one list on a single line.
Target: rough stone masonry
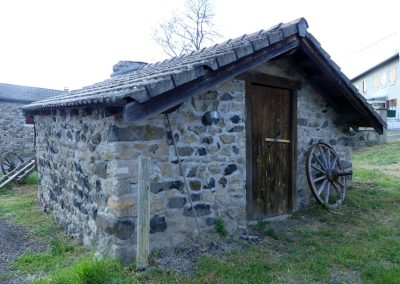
[(15, 135), (88, 165)]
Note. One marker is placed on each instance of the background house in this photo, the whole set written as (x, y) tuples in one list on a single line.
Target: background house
[(15, 133), (380, 85), (275, 83)]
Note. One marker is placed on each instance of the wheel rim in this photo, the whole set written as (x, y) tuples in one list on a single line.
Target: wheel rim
[(323, 168), (9, 161)]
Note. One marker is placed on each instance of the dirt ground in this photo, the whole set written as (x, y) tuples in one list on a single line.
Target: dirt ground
[(14, 241)]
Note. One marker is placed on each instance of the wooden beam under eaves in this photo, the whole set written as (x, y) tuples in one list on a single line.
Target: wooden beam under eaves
[(138, 112)]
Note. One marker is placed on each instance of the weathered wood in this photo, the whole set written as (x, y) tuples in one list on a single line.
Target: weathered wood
[(143, 214), (135, 112), (270, 80), (277, 140), (270, 186), (331, 71)]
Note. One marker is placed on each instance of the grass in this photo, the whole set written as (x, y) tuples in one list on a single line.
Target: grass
[(358, 243), (221, 228), (19, 203)]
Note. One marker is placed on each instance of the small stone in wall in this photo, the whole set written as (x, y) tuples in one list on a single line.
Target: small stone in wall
[(207, 140), (96, 138), (122, 229), (195, 185), (176, 185), (164, 186), (210, 184), (202, 151), (227, 139), (157, 224), (201, 210), (236, 129), (195, 197), (235, 119), (185, 151), (176, 202), (192, 172), (302, 122), (231, 168), (222, 181), (198, 129), (210, 221), (100, 169)]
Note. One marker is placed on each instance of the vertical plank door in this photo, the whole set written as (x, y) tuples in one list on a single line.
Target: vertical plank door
[(270, 117)]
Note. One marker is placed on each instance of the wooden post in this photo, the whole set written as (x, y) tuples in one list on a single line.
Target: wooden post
[(143, 214)]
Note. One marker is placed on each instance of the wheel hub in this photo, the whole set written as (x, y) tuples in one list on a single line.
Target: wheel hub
[(330, 175)]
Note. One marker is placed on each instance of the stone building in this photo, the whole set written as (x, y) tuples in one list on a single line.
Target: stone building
[(15, 133), (221, 103)]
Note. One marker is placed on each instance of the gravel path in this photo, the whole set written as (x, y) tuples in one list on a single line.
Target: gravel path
[(14, 241)]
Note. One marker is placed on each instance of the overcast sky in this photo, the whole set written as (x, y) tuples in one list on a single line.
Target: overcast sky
[(74, 43)]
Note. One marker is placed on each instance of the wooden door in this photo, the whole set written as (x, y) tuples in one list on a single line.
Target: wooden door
[(269, 114)]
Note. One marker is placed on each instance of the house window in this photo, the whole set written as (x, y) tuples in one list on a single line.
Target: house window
[(392, 76), (364, 86), (377, 82), (383, 79)]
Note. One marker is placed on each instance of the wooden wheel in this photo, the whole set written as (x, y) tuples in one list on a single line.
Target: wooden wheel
[(325, 175), (9, 161)]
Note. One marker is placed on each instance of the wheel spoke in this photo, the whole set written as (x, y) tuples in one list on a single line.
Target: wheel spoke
[(327, 192), (6, 163), (319, 161), (319, 178), (339, 183), (321, 188), (337, 189), (329, 160), (323, 156), (318, 169), (334, 163)]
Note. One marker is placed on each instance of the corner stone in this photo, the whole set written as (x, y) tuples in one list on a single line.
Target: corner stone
[(122, 229)]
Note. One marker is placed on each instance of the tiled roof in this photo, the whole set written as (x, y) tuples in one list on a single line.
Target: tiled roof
[(25, 94), (154, 79), (141, 92)]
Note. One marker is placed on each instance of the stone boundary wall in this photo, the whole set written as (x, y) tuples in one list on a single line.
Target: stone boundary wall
[(367, 136), (15, 135)]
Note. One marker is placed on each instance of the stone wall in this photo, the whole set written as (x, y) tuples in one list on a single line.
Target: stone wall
[(88, 165), (367, 136), (15, 135)]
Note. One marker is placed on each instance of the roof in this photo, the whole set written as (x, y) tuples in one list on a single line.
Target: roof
[(155, 88), (377, 66), (24, 94)]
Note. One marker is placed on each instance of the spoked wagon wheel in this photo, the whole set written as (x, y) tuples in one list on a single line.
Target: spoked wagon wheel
[(326, 176), (9, 161)]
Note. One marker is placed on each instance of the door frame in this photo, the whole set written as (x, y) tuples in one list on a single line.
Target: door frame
[(275, 82)]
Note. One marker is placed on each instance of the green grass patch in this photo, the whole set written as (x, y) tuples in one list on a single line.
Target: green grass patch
[(20, 204), (221, 228), (379, 155), (88, 270), (359, 242)]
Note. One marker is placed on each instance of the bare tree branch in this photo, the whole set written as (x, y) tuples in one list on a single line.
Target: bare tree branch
[(191, 30)]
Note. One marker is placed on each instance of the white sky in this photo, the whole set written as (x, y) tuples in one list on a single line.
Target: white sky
[(74, 43)]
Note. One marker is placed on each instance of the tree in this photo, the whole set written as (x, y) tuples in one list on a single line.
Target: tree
[(188, 31)]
